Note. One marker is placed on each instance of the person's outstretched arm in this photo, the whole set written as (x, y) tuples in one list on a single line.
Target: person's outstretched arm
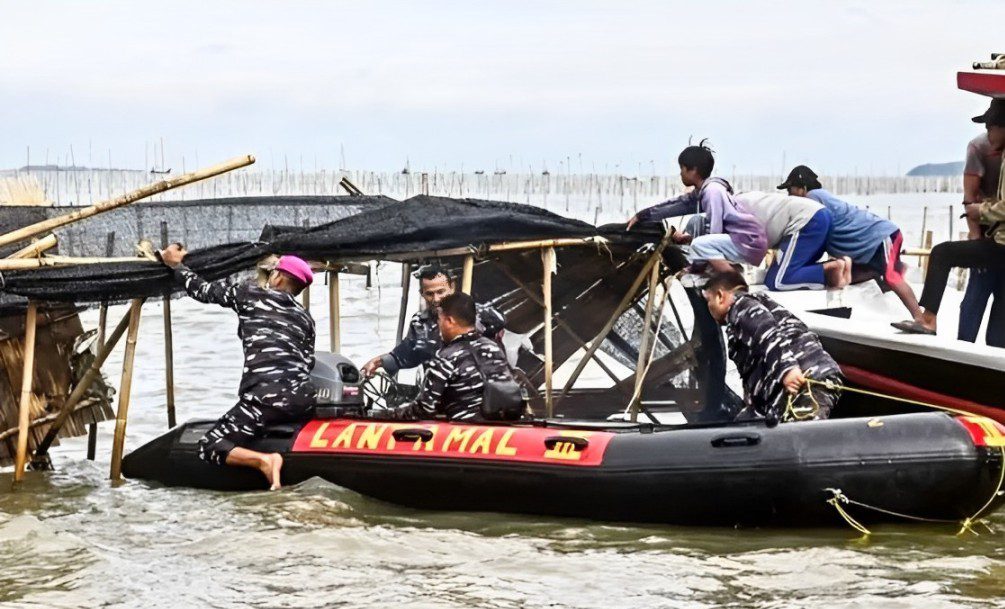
[(210, 292), (438, 375), (685, 204)]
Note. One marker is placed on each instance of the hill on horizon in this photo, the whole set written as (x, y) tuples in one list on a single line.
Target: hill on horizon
[(954, 168)]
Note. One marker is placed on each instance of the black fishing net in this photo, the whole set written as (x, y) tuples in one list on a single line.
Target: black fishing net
[(419, 224)]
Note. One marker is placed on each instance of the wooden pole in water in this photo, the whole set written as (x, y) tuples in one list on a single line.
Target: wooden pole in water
[(924, 226), (406, 280), (306, 296), (81, 388), (92, 429), (141, 193), (640, 366), (334, 312), (125, 389), (467, 275), (548, 264), (27, 375), (168, 345)]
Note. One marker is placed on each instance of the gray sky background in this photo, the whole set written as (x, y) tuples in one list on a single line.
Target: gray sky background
[(845, 86)]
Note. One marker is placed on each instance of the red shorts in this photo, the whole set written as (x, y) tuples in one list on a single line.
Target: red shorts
[(886, 260)]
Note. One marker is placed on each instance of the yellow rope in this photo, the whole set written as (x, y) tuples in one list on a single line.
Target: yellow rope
[(966, 524)]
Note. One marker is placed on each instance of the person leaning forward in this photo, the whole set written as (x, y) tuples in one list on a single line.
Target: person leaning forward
[(456, 377), (423, 338), (277, 334), (774, 352)]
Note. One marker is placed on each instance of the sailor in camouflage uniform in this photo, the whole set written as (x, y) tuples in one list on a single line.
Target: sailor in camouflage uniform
[(423, 338), (455, 379), (774, 353), (278, 338)]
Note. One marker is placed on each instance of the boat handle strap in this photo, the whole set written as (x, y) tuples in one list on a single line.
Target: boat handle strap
[(412, 434), (752, 439)]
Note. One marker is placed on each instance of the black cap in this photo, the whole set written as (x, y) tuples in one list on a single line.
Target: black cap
[(995, 114), (801, 176)]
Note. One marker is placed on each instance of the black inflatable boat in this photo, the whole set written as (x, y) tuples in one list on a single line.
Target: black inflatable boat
[(930, 465)]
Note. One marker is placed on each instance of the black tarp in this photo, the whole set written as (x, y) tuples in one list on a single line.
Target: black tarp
[(418, 224)]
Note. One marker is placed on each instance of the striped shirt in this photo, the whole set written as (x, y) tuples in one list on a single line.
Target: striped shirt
[(766, 341), (453, 386), (276, 331)]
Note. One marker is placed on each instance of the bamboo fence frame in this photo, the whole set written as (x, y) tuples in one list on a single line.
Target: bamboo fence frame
[(27, 376)]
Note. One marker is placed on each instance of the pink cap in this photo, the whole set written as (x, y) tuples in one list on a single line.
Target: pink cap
[(297, 267)]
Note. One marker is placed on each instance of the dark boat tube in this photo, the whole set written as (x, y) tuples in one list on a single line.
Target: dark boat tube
[(930, 465)]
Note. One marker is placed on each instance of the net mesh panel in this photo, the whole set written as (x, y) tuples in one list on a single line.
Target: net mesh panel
[(418, 224)]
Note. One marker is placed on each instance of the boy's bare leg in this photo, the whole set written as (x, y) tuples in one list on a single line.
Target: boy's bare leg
[(269, 464), (906, 294), (720, 266)]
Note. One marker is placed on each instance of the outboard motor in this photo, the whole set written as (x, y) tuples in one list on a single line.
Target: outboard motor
[(339, 386)]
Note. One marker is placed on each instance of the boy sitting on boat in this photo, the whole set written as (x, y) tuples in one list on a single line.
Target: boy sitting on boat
[(866, 239), (787, 375), (423, 338), (456, 379), (278, 338), (734, 235)]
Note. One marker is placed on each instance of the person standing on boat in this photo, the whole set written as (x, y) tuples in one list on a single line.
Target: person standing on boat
[(734, 235), (983, 252), (863, 237), (423, 337), (798, 229), (455, 378), (774, 352), (278, 338)]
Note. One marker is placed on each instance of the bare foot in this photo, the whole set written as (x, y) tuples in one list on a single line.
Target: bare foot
[(271, 466), (834, 273)]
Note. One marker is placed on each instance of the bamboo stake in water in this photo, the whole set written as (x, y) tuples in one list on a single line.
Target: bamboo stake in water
[(168, 345), (548, 263), (125, 389), (27, 375), (334, 312), (640, 366)]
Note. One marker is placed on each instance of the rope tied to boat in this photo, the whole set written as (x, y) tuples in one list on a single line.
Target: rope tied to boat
[(837, 495)]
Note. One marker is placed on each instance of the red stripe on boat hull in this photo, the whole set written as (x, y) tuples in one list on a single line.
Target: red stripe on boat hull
[(885, 384)]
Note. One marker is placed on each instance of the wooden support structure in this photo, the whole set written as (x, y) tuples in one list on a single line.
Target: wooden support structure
[(125, 389), (36, 247), (624, 304), (467, 275), (81, 389), (641, 363), (926, 244), (548, 265), (306, 296), (406, 280), (27, 375), (168, 346), (509, 246), (334, 312), (92, 429), (31, 230), (566, 327)]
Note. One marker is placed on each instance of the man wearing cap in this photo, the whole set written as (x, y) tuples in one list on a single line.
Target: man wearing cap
[(981, 174), (984, 201), (868, 240), (278, 338)]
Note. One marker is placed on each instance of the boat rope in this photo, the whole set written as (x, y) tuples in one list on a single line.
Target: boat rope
[(838, 497)]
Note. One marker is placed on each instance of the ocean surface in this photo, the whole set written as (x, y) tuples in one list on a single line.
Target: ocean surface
[(70, 538)]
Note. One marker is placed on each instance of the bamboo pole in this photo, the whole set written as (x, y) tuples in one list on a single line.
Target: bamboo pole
[(27, 264), (141, 193), (467, 275), (334, 312), (548, 264), (306, 296), (640, 366), (125, 389), (565, 326), (27, 376), (81, 389), (36, 248), (406, 280), (625, 302), (498, 247), (168, 345)]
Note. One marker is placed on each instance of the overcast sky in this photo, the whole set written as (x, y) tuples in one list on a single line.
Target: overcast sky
[(840, 85)]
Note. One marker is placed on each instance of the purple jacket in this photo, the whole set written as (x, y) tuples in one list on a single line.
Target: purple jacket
[(725, 215)]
